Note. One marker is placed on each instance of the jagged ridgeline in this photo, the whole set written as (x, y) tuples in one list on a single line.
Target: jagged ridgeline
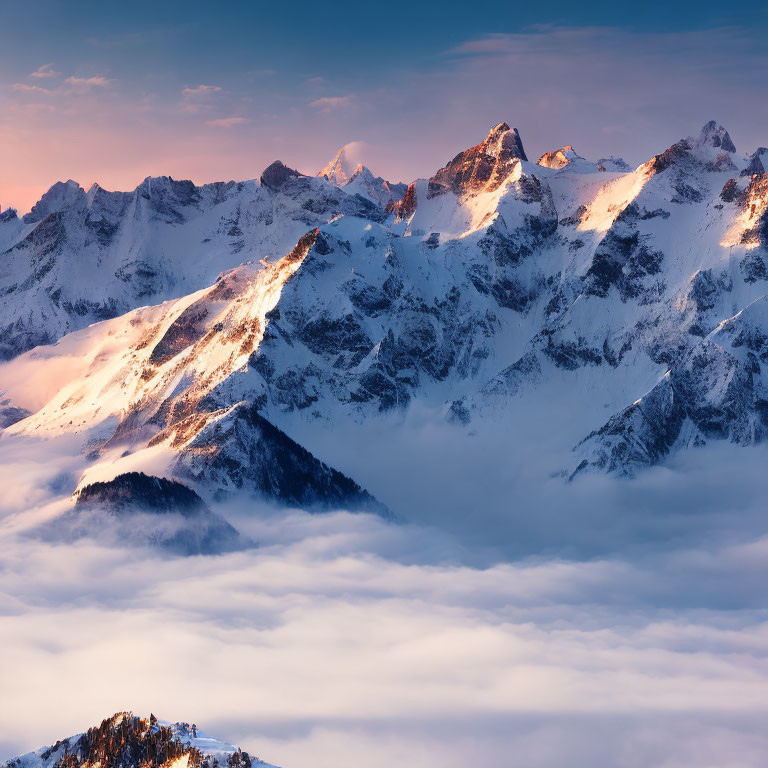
[(127, 741), (245, 320)]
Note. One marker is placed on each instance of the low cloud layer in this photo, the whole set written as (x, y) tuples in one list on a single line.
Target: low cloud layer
[(344, 639)]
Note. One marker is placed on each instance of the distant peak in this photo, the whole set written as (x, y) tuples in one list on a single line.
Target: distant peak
[(62, 195), (559, 158), (345, 164), (362, 171), (758, 161), (276, 174), (613, 164), (714, 135)]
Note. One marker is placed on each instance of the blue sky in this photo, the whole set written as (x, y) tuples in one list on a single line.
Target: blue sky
[(346, 38), (112, 92)]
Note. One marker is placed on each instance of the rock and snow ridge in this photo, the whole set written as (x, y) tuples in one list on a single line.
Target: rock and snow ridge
[(78, 258), (347, 172), (127, 741), (481, 285)]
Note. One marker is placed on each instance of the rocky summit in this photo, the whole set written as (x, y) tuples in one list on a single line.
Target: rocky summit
[(127, 741)]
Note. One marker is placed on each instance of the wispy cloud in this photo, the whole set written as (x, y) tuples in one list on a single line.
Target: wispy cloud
[(227, 122), (45, 71), (27, 88), (328, 103), (89, 82), (201, 90)]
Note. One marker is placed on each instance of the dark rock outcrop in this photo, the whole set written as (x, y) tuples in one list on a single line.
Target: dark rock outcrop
[(153, 510), (276, 174)]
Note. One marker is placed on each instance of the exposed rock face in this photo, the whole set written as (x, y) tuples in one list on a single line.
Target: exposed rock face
[(242, 450), (714, 135), (613, 165), (10, 414), (482, 167), (372, 319), (276, 174), (718, 390), (757, 163), (406, 207), (127, 741), (558, 158)]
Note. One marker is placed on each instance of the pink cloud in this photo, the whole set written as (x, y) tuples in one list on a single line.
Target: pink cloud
[(45, 71), (327, 103), (227, 122), (89, 82), (26, 88)]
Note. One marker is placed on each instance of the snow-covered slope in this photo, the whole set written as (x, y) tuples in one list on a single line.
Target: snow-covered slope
[(141, 391), (79, 257), (491, 282), (346, 171), (127, 741)]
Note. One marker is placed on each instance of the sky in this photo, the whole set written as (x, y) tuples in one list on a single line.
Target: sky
[(112, 93)]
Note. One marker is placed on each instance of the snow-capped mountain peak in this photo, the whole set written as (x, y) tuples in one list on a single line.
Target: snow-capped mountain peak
[(567, 158), (61, 196), (127, 741), (503, 139), (559, 158), (348, 172), (362, 172), (714, 135), (484, 167), (613, 165), (344, 164), (276, 174)]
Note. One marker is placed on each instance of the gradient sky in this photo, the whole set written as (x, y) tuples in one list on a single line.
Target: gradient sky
[(114, 92)]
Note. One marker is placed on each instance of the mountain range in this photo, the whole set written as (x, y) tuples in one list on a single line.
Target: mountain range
[(201, 334)]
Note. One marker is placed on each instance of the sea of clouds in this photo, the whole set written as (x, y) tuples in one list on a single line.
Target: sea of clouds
[(508, 618)]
